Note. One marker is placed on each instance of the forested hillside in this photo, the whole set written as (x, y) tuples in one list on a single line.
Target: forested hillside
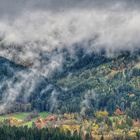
[(86, 83)]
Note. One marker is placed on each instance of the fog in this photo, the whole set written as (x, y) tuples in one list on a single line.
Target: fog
[(31, 29)]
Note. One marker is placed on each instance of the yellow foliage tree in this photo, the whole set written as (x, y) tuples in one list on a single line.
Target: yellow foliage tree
[(101, 114)]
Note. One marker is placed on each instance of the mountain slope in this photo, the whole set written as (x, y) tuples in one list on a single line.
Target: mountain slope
[(86, 84)]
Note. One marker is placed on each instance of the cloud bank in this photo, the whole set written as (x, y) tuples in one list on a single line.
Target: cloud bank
[(46, 25)]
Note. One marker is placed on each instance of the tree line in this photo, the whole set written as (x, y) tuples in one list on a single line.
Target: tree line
[(25, 133)]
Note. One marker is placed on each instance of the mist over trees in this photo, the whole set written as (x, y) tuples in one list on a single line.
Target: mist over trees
[(87, 84)]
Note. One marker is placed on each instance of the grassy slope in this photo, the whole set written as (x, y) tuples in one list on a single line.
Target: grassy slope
[(22, 116)]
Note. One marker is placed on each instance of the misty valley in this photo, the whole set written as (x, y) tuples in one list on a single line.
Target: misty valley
[(69, 70)]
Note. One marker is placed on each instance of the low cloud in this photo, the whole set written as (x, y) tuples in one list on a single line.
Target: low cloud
[(41, 31)]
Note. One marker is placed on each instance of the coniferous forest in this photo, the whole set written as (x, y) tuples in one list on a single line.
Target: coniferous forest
[(25, 133)]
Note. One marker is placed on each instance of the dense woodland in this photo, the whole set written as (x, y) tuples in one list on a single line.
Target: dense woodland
[(86, 85), (102, 82), (25, 133)]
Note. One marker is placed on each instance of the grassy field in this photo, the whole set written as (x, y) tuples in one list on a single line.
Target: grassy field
[(22, 116)]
